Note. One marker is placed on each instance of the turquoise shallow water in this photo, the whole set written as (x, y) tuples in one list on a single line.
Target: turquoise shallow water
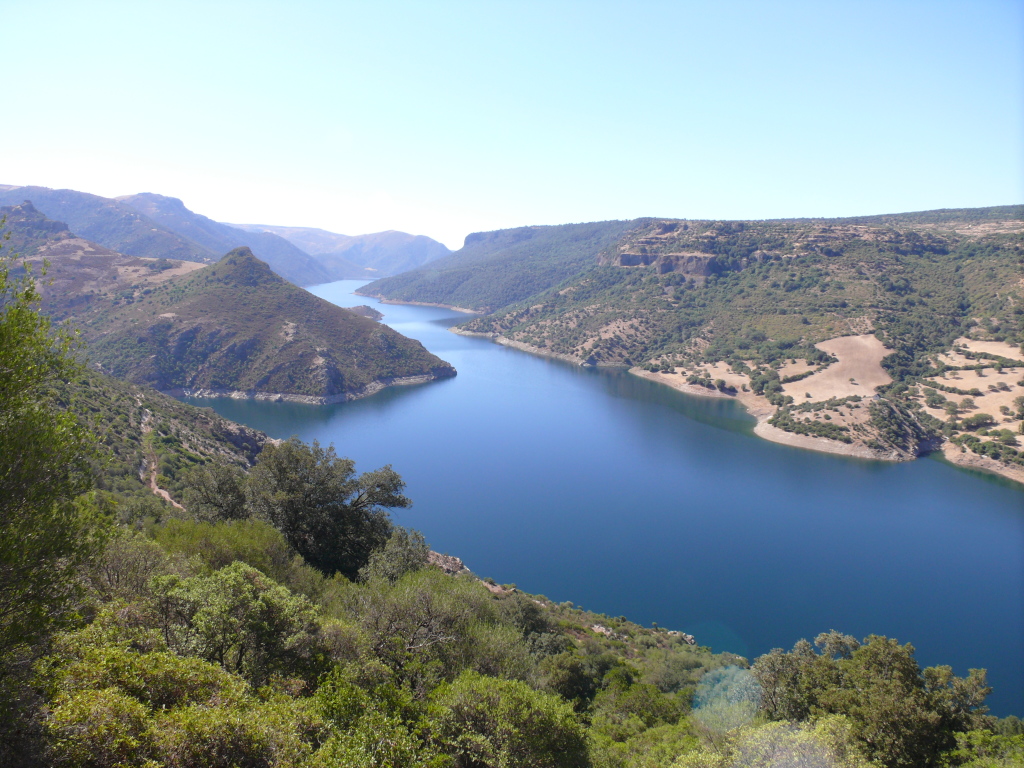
[(630, 498)]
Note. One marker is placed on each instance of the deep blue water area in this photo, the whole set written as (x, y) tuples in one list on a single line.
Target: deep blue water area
[(632, 499)]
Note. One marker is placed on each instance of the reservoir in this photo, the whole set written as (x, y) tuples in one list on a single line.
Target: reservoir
[(629, 498)]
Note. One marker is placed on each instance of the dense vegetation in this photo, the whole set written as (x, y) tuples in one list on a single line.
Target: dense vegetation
[(667, 294), (281, 619), (495, 269)]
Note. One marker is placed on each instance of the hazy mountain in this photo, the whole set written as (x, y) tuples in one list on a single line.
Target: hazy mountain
[(287, 260), (380, 253), (232, 326), (110, 223)]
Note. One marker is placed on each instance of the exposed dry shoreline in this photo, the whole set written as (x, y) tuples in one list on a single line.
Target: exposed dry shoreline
[(972, 460), (283, 397), (507, 342), (762, 410), (382, 300)]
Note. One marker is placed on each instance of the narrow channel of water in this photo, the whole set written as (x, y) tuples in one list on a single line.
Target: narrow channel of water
[(632, 499)]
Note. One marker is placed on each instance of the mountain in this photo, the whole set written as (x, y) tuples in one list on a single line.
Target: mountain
[(287, 260), (378, 254), (495, 269), (839, 334), (83, 279), (109, 223), (236, 327)]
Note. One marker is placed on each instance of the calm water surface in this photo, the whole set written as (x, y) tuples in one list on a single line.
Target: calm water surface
[(630, 498)]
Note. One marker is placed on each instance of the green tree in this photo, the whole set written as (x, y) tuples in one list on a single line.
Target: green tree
[(43, 469), (405, 551), (244, 621), (332, 517), (215, 491), (491, 723), (900, 714)]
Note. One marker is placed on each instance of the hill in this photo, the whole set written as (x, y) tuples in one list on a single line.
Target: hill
[(374, 255), (83, 278), (237, 328), (495, 269), (287, 260), (109, 223), (758, 310)]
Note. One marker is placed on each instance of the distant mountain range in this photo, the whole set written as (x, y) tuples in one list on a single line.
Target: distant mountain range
[(149, 225), (233, 327), (382, 253)]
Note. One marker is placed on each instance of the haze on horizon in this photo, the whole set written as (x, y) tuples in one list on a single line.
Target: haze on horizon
[(451, 117)]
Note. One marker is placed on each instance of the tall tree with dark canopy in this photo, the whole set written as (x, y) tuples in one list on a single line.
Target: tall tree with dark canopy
[(332, 517)]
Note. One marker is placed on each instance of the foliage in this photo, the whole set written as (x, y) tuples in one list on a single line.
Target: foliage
[(901, 715), (330, 516), (243, 621), (235, 325), (487, 721), (826, 743), (49, 529)]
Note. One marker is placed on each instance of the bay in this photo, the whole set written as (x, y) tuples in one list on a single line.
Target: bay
[(632, 499)]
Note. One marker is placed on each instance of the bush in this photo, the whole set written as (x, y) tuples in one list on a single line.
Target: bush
[(485, 721)]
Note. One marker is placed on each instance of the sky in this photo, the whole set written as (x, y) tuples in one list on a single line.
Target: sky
[(445, 118)]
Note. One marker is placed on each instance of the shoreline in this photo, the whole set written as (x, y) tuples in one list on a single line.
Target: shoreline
[(521, 346), (970, 460), (372, 388), (762, 410), (382, 300), (758, 407)]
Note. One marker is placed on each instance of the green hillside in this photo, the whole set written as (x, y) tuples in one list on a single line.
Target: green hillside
[(706, 291), (495, 269), (108, 222), (279, 619), (236, 326), (749, 301)]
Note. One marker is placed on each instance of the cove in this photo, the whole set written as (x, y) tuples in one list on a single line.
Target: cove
[(632, 499)]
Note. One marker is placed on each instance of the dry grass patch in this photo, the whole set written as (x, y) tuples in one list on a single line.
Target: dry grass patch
[(858, 372)]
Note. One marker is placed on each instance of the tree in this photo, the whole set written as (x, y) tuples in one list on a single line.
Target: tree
[(244, 621), (405, 551), (333, 518), (900, 715), (46, 528), (215, 491), (486, 722)]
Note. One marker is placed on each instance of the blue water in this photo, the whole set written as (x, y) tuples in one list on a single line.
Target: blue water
[(632, 499)]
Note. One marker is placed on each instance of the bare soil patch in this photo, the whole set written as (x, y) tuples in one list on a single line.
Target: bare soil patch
[(858, 372)]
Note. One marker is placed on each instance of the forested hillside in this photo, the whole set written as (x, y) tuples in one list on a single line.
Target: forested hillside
[(267, 612), (238, 328), (751, 308), (495, 269)]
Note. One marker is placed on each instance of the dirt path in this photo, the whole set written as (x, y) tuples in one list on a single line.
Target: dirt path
[(151, 462)]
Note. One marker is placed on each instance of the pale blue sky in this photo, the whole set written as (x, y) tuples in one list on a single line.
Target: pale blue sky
[(442, 118)]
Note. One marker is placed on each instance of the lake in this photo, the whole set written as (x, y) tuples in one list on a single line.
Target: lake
[(629, 498)]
